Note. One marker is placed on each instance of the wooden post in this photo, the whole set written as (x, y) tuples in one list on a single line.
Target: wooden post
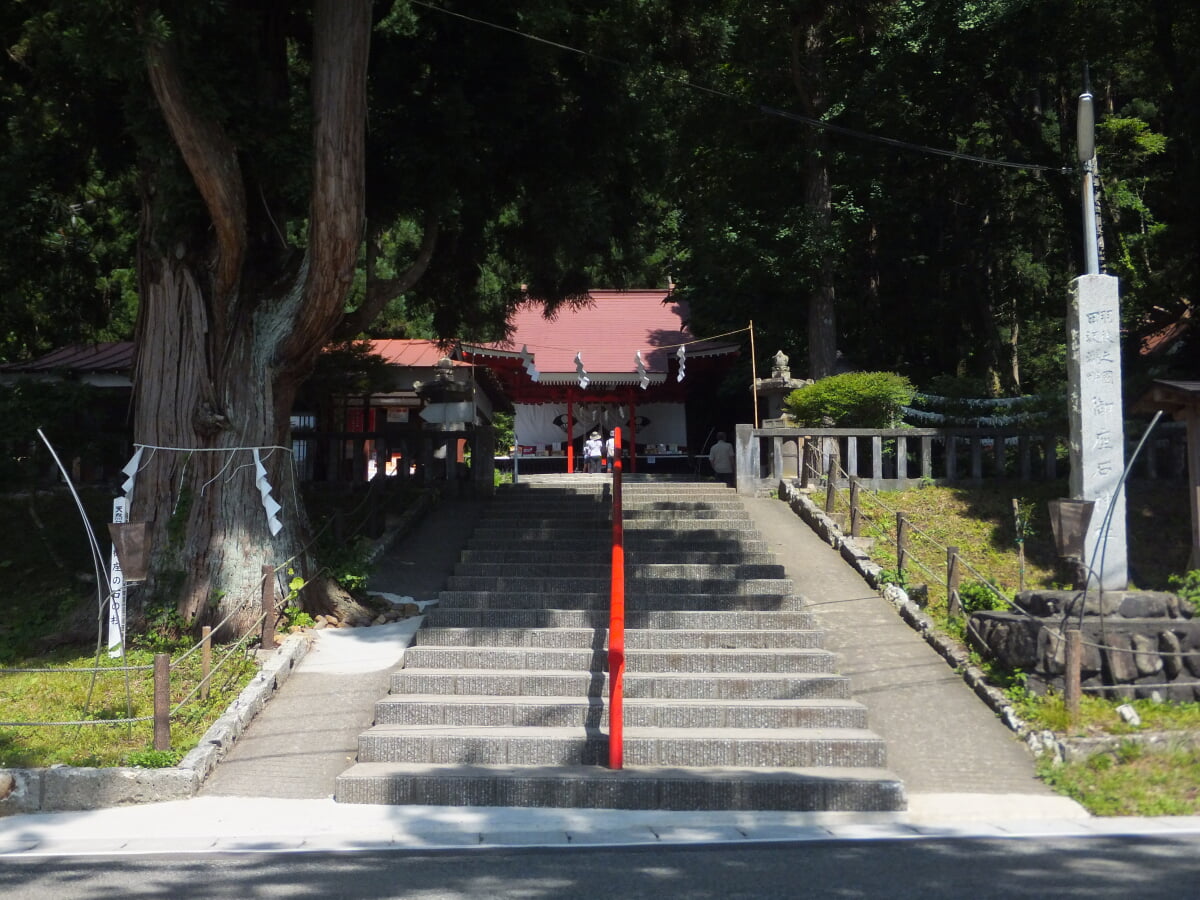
[(268, 605), (953, 577), (1050, 456), (901, 541), (855, 515), (162, 701), (205, 659), (831, 485), (1072, 680)]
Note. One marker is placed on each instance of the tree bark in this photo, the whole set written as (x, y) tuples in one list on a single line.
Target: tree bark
[(221, 349), (808, 68)]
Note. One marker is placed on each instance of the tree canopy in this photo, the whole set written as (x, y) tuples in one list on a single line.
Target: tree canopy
[(878, 184)]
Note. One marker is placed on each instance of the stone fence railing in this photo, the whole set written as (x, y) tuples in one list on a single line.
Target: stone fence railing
[(895, 458)]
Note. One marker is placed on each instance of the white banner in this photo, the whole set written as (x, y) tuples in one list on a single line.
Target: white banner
[(116, 590)]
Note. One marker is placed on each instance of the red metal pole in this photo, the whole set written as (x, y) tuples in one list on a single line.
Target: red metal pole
[(570, 435), (616, 621)]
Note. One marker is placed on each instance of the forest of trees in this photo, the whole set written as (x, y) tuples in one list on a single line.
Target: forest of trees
[(883, 184)]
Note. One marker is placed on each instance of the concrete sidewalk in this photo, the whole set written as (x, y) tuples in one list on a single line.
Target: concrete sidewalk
[(965, 773), (941, 738), (308, 734)]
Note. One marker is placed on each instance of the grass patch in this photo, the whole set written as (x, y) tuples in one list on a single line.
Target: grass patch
[(1131, 781), (981, 522), (73, 694), (1098, 716), (50, 584)]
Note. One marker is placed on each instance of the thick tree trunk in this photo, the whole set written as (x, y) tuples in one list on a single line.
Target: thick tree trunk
[(808, 76), (822, 310), (221, 349), (201, 428)]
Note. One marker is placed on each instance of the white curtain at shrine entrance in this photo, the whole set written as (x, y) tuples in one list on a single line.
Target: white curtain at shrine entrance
[(540, 424)]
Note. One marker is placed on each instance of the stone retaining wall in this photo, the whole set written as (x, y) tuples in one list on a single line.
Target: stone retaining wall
[(1135, 643)]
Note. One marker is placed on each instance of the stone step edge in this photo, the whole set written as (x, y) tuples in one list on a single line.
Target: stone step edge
[(594, 787), (642, 733), (548, 700)]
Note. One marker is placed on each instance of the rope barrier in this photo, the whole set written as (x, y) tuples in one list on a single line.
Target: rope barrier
[(77, 722), (235, 647), (73, 671)]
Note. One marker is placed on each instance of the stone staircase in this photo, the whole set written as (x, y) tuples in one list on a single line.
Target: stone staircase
[(730, 702)]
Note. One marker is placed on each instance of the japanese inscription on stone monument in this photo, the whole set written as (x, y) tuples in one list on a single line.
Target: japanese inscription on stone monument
[(1097, 428)]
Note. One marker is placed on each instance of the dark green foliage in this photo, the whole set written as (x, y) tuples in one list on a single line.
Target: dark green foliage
[(976, 596), (853, 399), (1187, 586), (80, 422)]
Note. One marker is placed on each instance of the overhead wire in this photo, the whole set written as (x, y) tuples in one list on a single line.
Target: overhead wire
[(763, 108)]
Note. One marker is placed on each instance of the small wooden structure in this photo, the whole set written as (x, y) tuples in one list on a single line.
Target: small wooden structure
[(1181, 399)]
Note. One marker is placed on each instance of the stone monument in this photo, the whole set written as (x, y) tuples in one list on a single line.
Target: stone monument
[(773, 390), (1097, 426)]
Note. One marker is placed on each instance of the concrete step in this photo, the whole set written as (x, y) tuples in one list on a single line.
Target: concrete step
[(542, 746), (633, 585), (601, 545), (721, 529), (633, 787), (635, 638), (731, 703), (636, 570), (751, 556), (638, 685), (675, 514), (634, 600), (580, 712), (746, 660), (714, 621)]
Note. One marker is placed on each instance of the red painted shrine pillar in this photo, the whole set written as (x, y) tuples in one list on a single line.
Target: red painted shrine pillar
[(632, 433)]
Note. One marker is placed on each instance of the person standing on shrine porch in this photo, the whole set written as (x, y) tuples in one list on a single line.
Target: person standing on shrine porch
[(593, 449), (721, 458)]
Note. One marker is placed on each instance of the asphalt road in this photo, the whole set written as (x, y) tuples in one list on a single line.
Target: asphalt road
[(1093, 867)]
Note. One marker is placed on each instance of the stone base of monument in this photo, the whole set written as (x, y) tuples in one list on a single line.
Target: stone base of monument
[(1136, 644)]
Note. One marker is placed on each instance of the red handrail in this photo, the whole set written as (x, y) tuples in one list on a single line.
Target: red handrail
[(616, 620)]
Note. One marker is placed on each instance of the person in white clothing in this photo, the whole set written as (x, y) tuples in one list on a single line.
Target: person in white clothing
[(721, 458), (593, 449)]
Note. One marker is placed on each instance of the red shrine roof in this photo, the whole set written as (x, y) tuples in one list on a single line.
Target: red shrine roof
[(411, 354), (606, 332)]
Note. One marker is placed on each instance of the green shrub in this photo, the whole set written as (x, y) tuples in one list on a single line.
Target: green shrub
[(1187, 587), (153, 759), (976, 596), (852, 400)]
